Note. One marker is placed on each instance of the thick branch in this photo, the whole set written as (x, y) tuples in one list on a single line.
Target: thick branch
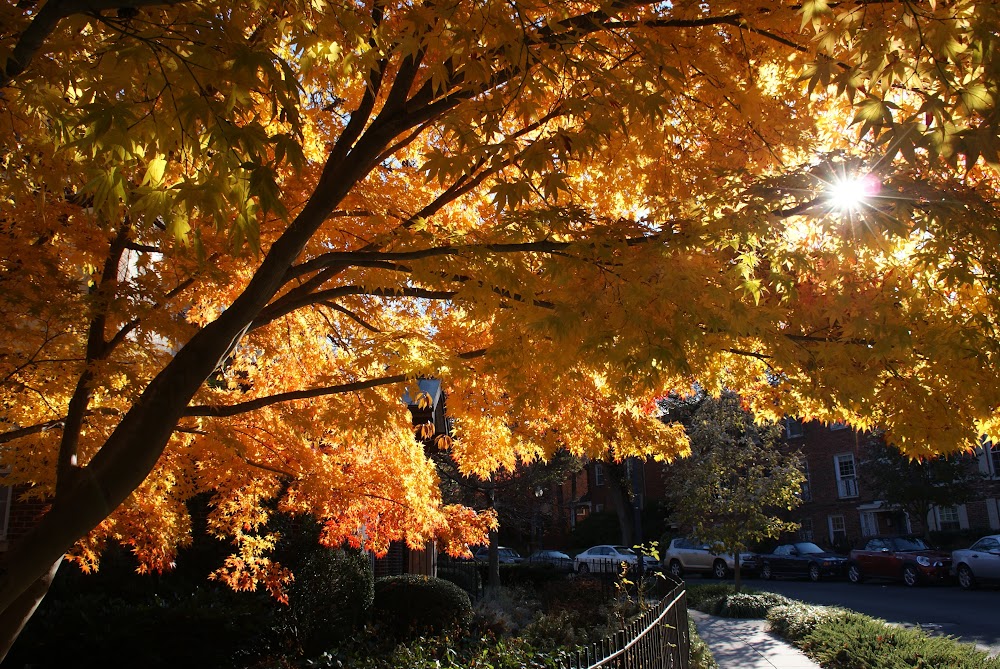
[(45, 23)]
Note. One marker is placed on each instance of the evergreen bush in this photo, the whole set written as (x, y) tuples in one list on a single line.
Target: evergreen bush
[(410, 604), (331, 596), (748, 604)]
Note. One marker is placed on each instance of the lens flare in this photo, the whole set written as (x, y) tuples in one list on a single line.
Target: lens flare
[(853, 192)]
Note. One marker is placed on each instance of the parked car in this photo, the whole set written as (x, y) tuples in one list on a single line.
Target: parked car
[(685, 556), (506, 555), (608, 558), (801, 560), (980, 562), (905, 558), (556, 559)]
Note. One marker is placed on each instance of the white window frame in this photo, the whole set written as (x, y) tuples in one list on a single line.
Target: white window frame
[(842, 521), (806, 531), (847, 484), (869, 524), (598, 475)]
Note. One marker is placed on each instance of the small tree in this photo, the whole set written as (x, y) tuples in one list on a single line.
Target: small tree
[(917, 486), (727, 492)]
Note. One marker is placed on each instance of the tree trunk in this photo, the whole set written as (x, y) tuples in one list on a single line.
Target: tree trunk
[(737, 574), (131, 452), (15, 617), (620, 488), (493, 576)]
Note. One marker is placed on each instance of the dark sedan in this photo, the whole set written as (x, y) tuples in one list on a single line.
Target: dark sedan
[(801, 560)]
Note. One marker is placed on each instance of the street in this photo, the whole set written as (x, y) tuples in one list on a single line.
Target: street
[(969, 615)]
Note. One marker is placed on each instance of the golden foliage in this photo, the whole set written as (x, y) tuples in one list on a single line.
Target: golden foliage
[(559, 210)]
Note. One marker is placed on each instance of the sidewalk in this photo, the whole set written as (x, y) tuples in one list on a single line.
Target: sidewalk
[(746, 644)]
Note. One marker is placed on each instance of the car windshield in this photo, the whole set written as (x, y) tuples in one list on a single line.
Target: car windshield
[(909, 544), (507, 552), (807, 548), (624, 550)]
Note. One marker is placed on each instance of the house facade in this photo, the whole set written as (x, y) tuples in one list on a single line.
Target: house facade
[(837, 511)]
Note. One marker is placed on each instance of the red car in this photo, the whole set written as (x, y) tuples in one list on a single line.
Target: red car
[(898, 558)]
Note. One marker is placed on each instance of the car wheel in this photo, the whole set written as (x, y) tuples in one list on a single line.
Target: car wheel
[(910, 575), (854, 574), (675, 569), (814, 572), (765, 572), (965, 577), (584, 568), (719, 569)]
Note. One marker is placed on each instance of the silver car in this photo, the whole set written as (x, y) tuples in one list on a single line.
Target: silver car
[(980, 562), (685, 556), (609, 558)]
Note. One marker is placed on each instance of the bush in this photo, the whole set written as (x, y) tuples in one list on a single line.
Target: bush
[(409, 604), (331, 596), (704, 597), (505, 611), (748, 605), (795, 620), (856, 641)]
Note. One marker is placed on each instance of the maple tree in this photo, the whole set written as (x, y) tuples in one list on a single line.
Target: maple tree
[(232, 235)]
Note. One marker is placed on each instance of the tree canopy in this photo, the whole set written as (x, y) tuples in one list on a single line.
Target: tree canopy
[(233, 234)]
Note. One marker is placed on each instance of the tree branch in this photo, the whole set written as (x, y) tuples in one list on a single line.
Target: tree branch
[(45, 22)]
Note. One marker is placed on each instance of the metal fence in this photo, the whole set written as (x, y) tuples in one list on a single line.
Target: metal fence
[(658, 639)]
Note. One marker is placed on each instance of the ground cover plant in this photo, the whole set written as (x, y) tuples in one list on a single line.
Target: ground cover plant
[(842, 639)]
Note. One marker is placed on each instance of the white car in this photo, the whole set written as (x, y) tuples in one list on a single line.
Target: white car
[(980, 562), (685, 556), (608, 558)]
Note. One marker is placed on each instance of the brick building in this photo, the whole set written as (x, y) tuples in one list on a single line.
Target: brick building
[(838, 511)]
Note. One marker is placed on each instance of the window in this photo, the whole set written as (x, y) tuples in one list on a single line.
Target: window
[(847, 475), (598, 474), (806, 492), (877, 545), (838, 529), (947, 518), (838, 426), (995, 459), (986, 544), (793, 428), (806, 529)]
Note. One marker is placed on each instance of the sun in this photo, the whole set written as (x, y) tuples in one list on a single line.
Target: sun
[(852, 193)]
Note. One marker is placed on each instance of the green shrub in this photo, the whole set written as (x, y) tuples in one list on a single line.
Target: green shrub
[(855, 641), (331, 596), (409, 604), (704, 597), (700, 655), (795, 620), (747, 604)]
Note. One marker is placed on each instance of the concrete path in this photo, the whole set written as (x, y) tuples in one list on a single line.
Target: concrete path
[(746, 644)]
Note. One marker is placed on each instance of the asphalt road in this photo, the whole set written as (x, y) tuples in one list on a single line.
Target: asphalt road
[(972, 616)]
